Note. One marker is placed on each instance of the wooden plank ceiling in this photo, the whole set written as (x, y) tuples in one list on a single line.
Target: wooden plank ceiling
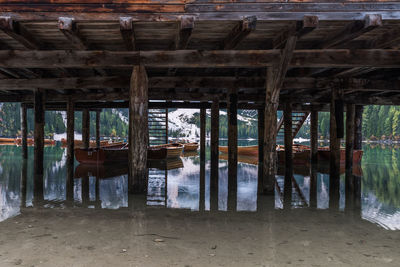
[(194, 50)]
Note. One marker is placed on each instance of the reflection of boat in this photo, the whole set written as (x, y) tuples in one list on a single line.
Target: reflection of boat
[(189, 153), (31, 141), (100, 171), (242, 150), (102, 155), (6, 140), (324, 153), (164, 151), (190, 147), (244, 159), (79, 143), (166, 164)]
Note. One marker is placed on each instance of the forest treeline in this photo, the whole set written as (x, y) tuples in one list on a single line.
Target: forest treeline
[(379, 122)]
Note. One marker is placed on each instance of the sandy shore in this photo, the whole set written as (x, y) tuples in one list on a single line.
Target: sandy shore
[(138, 236)]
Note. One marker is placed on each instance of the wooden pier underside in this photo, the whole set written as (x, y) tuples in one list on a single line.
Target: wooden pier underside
[(197, 50), (244, 54)]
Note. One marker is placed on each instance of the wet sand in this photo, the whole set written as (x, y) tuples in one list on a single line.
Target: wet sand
[(146, 236)]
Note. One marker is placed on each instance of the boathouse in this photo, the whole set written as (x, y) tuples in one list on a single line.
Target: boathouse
[(296, 56)]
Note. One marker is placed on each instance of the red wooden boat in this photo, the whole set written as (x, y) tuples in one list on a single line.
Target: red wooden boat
[(103, 155), (190, 147), (164, 151), (242, 150)]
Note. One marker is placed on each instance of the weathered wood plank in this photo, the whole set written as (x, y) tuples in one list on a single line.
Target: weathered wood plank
[(98, 128), (13, 29), (214, 154), (202, 134), (288, 138), (232, 147), (352, 31), (239, 32), (128, 32), (70, 140), (358, 127), (68, 27), (337, 58), (39, 143)]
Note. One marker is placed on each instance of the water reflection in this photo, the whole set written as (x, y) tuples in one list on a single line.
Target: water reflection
[(371, 192)]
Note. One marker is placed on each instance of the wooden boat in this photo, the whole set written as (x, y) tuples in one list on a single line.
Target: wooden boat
[(102, 155), (164, 151), (189, 153), (79, 143), (242, 150), (190, 146), (6, 140)]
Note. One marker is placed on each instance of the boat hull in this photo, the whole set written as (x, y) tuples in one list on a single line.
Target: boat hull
[(190, 147), (164, 151), (242, 150), (102, 155)]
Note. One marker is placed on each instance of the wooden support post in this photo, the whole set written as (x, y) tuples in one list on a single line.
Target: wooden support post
[(334, 145), (166, 125), (260, 149), (313, 185), (358, 127), (274, 83), (39, 143), (70, 149), (138, 129), (202, 185), (24, 131), (232, 148), (314, 136), (202, 134), (287, 118), (24, 181), (86, 128), (350, 112), (98, 128), (214, 154)]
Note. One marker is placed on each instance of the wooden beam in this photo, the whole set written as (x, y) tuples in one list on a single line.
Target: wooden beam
[(128, 32), (184, 32), (239, 32), (68, 27), (352, 31), (13, 29), (70, 149), (98, 128), (138, 129), (337, 58), (301, 28), (260, 125), (202, 134)]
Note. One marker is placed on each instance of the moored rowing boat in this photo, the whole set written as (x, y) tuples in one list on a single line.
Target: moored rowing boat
[(242, 150), (190, 146), (102, 155)]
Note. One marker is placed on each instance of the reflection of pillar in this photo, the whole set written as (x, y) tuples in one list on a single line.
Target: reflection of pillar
[(86, 128), (313, 185), (98, 201), (214, 155), (70, 151), (349, 136), (98, 128), (358, 127), (24, 131), (260, 149), (232, 148), (24, 181), (85, 191), (202, 185), (39, 144), (138, 129), (287, 118)]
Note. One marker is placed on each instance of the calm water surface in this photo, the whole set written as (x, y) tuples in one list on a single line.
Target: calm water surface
[(176, 185)]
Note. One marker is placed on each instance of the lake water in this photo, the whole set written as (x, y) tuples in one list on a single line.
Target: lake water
[(176, 185)]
